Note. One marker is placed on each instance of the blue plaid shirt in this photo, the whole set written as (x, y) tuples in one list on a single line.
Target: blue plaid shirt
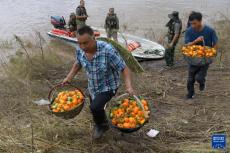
[(103, 70)]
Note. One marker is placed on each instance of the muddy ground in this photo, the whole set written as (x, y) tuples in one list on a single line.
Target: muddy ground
[(185, 126)]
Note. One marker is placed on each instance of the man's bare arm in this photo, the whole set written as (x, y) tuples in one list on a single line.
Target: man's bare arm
[(74, 70), (128, 81), (199, 39), (215, 46)]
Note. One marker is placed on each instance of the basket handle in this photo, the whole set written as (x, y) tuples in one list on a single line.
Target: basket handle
[(58, 86), (139, 102), (119, 97)]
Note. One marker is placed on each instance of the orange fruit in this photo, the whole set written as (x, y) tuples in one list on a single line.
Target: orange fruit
[(55, 110), (126, 119), (135, 110), (126, 125), (58, 109), (121, 110), (114, 121), (125, 104), (75, 103), (146, 108), (142, 121), (128, 114), (72, 93), (64, 97), (144, 102), (190, 53), (200, 52), (59, 105), (126, 100), (66, 100), (132, 120), (133, 125), (140, 113), (62, 101), (66, 107)]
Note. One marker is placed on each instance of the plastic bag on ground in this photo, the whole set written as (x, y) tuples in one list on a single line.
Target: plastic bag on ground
[(41, 102)]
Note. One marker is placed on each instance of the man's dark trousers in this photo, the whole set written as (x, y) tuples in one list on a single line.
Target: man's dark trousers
[(169, 56), (196, 73), (97, 107)]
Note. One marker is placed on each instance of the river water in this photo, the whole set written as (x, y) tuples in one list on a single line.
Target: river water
[(23, 17)]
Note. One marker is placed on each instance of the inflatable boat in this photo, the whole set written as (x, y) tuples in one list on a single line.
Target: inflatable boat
[(141, 48)]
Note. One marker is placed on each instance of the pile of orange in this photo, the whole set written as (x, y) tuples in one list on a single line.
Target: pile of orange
[(129, 113), (199, 51), (67, 100)]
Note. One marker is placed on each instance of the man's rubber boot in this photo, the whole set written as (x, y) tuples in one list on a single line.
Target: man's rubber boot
[(101, 124), (99, 130), (202, 87), (190, 96)]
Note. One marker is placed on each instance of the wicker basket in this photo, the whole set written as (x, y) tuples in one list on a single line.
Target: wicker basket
[(128, 130), (198, 61), (68, 114)]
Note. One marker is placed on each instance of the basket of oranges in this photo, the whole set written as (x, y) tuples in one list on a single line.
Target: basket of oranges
[(129, 114), (199, 55), (66, 100)]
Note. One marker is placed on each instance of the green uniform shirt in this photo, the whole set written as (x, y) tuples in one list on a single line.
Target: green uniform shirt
[(81, 11), (112, 22)]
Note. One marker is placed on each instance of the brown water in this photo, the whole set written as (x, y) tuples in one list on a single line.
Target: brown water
[(22, 17)]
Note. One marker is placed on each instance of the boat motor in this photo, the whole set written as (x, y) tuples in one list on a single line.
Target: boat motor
[(58, 22)]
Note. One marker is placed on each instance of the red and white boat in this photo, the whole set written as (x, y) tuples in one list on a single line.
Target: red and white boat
[(140, 48)]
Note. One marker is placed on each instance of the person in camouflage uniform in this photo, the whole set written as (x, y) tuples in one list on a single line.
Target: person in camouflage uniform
[(81, 15), (112, 24), (72, 22), (174, 31)]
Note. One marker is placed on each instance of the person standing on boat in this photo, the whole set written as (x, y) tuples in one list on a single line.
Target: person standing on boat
[(174, 30), (72, 22), (198, 34), (103, 66), (112, 24), (81, 14)]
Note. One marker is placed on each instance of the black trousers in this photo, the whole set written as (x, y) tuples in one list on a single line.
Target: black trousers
[(97, 106), (196, 73)]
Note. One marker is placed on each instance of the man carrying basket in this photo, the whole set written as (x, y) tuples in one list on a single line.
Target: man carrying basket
[(198, 34), (103, 65)]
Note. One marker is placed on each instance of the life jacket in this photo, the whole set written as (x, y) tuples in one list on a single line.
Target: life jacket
[(133, 45), (111, 21), (61, 32), (69, 33), (97, 33)]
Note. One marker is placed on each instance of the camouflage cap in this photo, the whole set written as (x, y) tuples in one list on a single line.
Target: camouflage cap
[(173, 14), (111, 10)]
